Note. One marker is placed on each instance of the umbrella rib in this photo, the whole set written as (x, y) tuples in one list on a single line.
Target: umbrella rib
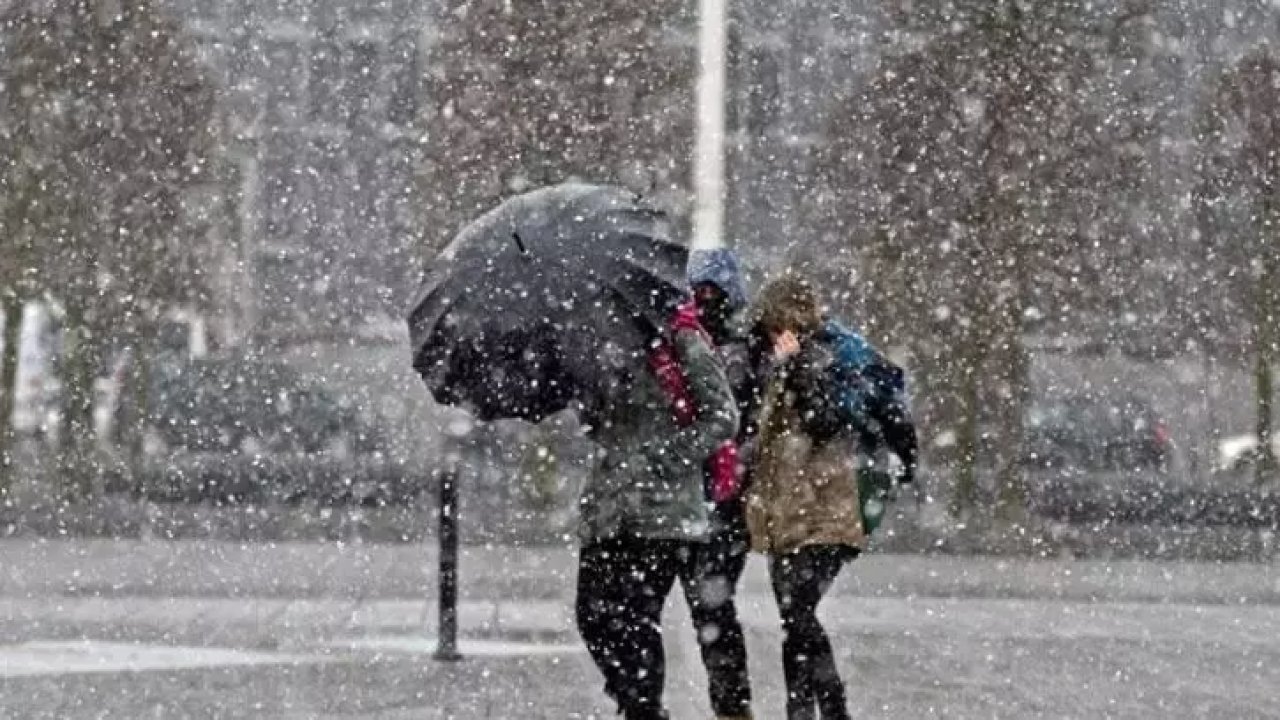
[(604, 281)]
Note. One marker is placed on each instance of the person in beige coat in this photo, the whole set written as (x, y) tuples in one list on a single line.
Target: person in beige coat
[(802, 505)]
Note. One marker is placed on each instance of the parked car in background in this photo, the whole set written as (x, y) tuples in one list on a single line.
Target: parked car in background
[(1085, 431), (228, 428), (1240, 454), (1096, 431)]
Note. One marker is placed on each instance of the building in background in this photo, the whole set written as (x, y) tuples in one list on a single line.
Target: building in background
[(325, 100), (314, 199), (796, 74), (321, 202)]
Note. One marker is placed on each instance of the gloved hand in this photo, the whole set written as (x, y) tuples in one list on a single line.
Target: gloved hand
[(725, 480), (908, 474)]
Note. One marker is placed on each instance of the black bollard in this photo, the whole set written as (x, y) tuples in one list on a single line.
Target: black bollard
[(447, 647)]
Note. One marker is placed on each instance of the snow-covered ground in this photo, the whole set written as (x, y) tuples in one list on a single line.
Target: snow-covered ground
[(107, 629)]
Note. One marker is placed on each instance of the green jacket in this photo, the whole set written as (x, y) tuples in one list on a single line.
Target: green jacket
[(648, 481)]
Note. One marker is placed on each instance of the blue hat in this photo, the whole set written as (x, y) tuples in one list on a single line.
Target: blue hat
[(719, 267)]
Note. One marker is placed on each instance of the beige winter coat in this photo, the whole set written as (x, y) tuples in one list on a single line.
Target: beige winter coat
[(802, 493)]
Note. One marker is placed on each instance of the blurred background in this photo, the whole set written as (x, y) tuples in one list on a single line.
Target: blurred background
[(1061, 219)]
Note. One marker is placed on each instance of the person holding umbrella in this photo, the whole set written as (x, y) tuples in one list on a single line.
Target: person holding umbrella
[(575, 296), (643, 516)]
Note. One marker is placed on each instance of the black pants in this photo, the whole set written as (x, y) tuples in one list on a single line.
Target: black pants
[(800, 579), (622, 585), (710, 582)]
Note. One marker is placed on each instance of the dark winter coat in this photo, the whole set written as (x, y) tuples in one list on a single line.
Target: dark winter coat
[(720, 268), (648, 481)]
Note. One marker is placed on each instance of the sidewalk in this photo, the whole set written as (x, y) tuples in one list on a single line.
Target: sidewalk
[(302, 625), (293, 621), (210, 569), (92, 629), (1099, 517)]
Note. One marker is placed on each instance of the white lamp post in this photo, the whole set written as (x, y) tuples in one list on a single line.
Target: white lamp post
[(708, 162)]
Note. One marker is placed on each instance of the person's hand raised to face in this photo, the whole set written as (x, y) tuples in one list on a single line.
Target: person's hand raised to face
[(785, 345)]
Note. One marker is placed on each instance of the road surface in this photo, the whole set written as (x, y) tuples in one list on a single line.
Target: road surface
[(102, 629)]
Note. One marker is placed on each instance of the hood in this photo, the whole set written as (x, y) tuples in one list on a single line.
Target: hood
[(788, 302), (719, 267)]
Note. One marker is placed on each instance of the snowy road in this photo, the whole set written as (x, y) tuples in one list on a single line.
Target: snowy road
[(138, 639)]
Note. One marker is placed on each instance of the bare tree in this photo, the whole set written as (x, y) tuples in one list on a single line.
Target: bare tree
[(21, 212), (11, 302), (119, 119), (528, 94), (1248, 133), (1000, 149)]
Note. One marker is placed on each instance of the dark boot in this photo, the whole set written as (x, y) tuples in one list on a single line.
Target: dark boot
[(645, 714), (831, 711), (828, 687), (801, 711)]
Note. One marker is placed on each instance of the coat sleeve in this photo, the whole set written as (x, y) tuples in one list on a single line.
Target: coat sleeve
[(813, 378), (717, 417)]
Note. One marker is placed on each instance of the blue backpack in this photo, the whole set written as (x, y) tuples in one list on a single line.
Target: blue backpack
[(867, 393), (862, 379)]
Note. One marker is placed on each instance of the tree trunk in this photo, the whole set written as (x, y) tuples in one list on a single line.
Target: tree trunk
[(76, 435), (970, 366), (1264, 385), (9, 389), (135, 405), (974, 349), (1265, 324), (1208, 453), (1011, 502)]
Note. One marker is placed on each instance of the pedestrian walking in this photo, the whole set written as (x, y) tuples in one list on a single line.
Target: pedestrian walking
[(711, 578), (643, 514), (825, 404)]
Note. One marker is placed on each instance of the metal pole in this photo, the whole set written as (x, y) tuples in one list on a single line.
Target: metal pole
[(708, 162), (447, 648)]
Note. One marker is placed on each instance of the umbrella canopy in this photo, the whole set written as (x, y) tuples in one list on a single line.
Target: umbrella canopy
[(548, 299)]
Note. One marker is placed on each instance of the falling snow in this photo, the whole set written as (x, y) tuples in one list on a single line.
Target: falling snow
[(236, 237)]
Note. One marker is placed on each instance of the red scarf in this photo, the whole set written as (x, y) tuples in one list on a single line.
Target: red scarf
[(665, 364)]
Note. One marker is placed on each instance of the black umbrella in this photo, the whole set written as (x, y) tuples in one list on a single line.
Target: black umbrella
[(548, 299)]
